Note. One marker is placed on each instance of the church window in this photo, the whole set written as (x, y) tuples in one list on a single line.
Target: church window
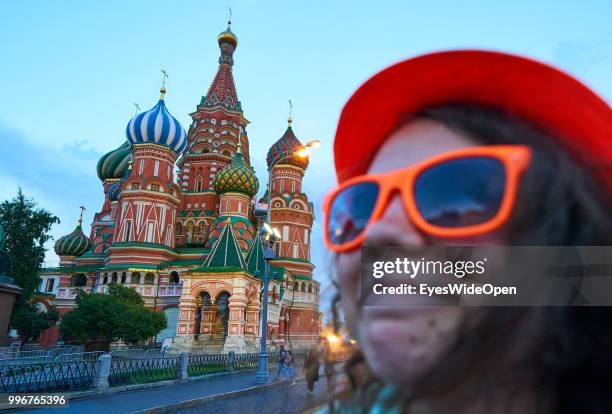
[(156, 168), (155, 187), (292, 186), (49, 285), (305, 236), (123, 277), (150, 231), (309, 288), (141, 167), (240, 207), (136, 278), (282, 185), (128, 230), (149, 279), (285, 233), (198, 186), (295, 251), (135, 186), (168, 173)]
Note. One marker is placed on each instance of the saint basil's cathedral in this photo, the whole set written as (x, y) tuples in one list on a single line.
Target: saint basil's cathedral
[(189, 244)]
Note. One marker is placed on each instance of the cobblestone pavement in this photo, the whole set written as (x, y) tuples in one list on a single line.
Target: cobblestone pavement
[(282, 399)]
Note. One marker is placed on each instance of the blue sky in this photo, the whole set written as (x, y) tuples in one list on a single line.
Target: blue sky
[(71, 71)]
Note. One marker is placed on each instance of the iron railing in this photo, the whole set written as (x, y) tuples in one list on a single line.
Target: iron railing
[(246, 361), (202, 364), (142, 370), (47, 376)]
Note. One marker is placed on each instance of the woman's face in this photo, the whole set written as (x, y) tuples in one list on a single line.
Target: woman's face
[(401, 344)]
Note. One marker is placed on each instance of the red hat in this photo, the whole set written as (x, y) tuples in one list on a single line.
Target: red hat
[(542, 95)]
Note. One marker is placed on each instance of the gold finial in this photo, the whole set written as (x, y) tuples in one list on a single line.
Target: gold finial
[(81, 218), (162, 91), (229, 19)]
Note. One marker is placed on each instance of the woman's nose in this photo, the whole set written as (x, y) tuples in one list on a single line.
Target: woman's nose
[(394, 228)]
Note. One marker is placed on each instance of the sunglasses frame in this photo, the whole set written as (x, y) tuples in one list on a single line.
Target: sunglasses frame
[(514, 158)]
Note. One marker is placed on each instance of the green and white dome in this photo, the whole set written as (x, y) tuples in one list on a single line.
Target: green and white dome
[(114, 164), (237, 177)]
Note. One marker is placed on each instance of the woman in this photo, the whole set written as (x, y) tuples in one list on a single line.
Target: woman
[(311, 368), (471, 105)]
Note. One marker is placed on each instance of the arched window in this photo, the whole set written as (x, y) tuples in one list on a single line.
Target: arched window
[(309, 288), (123, 277), (296, 286), (303, 287), (198, 184), (114, 279), (174, 278), (149, 279), (136, 278), (105, 281)]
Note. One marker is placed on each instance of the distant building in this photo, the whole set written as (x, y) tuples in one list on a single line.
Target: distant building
[(189, 245)]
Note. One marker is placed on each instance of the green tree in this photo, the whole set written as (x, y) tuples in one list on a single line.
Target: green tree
[(118, 315), (30, 322), (26, 230)]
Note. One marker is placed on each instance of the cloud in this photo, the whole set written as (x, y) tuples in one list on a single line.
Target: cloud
[(59, 180)]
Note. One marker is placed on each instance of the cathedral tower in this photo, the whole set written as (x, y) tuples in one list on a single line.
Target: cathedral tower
[(147, 197), (218, 125)]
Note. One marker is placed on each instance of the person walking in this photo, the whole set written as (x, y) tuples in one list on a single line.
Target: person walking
[(329, 368), (311, 368), (288, 368), (281, 361)]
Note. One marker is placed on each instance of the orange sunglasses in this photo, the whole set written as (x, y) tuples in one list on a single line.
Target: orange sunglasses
[(461, 193)]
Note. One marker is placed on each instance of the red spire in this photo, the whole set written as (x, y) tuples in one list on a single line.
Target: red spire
[(222, 92)]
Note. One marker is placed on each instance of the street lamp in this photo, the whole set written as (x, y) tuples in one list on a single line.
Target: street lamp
[(269, 236)]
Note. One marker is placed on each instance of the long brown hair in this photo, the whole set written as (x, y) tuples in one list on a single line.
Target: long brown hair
[(564, 354)]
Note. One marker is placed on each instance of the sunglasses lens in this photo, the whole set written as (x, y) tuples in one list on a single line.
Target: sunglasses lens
[(350, 212), (462, 192)]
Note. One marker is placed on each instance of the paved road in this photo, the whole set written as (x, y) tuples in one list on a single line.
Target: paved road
[(279, 398), (282, 399), (124, 402)]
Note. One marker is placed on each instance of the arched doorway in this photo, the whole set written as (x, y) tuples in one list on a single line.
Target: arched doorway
[(222, 315), (203, 304)]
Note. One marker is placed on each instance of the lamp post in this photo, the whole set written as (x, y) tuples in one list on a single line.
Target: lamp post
[(269, 236)]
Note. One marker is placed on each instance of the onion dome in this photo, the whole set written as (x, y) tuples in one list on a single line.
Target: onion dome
[(73, 244), (283, 150), (157, 126), (113, 164), (237, 177), (227, 36), (114, 190)]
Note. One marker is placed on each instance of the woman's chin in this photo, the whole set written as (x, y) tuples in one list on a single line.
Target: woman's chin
[(401, 347)]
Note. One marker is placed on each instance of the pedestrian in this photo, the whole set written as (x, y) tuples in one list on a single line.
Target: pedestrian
[(288, 368), (282, 354), (311, 368), (525, 133), (329, 367)]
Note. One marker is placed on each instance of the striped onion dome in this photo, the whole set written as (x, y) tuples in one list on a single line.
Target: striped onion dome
[(114, 164), (237, 177), (282, 150), (157, 126), (73, 244), (114, 190)]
